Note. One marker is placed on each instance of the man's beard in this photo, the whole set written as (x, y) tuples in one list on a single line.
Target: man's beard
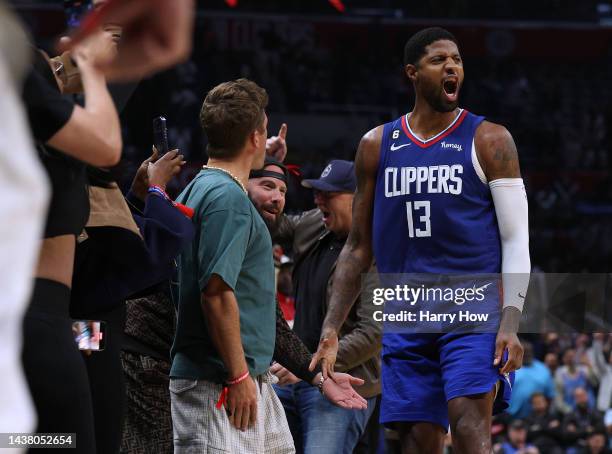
[(272, 225), (434, 98)]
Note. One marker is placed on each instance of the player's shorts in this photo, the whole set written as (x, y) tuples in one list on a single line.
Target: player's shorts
[(422, 372)]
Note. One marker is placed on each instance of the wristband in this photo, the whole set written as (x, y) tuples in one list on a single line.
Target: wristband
[(233, 381), (159, 191), (320, 384), (238, 379)]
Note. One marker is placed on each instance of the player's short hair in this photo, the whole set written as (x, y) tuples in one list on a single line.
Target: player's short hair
[(415, 46), (230, 113)]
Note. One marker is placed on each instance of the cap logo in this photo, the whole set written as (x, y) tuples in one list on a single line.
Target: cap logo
[(326, 171)]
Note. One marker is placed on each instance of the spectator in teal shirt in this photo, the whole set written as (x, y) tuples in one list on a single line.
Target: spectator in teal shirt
[(220, 386)]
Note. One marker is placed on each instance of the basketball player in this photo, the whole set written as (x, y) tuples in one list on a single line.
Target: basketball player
[(439, 191)]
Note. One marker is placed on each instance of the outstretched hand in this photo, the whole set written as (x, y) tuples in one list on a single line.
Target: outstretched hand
[(326, 354), (339, 391), (276, 146)]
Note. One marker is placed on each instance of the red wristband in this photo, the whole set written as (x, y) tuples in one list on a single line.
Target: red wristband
[(222, 398), (225, 389), (241, 378)]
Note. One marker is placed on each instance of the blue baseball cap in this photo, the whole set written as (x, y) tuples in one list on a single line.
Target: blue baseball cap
[(337, 176)]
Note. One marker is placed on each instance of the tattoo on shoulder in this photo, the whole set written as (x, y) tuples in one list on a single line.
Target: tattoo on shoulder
[(504, 158), (506, 152)]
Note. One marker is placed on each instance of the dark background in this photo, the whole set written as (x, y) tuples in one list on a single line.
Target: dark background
[(541, 68)]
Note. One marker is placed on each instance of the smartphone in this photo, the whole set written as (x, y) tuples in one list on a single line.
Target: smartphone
[(75, 10), (89, 334), (160, 135)]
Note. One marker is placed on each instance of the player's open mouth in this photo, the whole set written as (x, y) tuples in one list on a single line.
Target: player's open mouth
[(325, 215), (450, 87)]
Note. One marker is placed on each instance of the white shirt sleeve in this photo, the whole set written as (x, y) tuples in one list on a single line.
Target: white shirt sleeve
[(511, 208)]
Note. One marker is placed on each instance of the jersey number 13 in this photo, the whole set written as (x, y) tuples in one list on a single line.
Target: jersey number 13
[(419, 211)]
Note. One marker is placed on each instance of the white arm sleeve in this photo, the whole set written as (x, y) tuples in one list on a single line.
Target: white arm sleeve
[(510, 202)]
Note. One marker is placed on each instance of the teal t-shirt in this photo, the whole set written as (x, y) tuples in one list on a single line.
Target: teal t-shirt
[(232, 242)]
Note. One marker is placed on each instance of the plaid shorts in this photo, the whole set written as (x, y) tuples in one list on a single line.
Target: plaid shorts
[(199, 427)]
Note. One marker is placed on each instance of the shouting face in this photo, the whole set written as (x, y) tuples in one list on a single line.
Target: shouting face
[(438, 75), (337, 210)]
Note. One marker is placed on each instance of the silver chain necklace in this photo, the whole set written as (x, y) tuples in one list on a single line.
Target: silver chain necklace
[(233, 177)]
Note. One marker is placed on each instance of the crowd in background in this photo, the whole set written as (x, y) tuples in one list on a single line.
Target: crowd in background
[(558, 114), (559, 117), (463, 9), (561, 397)]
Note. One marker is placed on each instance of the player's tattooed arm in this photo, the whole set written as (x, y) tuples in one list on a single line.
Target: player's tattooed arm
[(498, 158), (356, 256), (496, 152)]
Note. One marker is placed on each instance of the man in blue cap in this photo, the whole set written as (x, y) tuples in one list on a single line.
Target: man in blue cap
[(318, 237)]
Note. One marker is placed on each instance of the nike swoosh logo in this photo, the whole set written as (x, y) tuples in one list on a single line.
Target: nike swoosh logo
[(394, 148), (521, 296)]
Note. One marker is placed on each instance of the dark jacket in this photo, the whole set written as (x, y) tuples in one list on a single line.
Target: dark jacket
[(545, 431), (359, 340), (124, 253)]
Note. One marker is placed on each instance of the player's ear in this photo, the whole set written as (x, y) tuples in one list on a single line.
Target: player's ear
[(410, 71)]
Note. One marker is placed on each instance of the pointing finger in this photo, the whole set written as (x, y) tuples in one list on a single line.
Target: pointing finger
[(282, 133)]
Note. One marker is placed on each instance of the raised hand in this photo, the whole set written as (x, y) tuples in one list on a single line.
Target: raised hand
[(165, 168), (276, 146), (156, 34), (140, 183), (339, 391), (161, 175), (97, 50), (326, 353)]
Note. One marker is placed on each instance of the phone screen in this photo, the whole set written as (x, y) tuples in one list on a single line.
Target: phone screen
[(89, 334), (75, 10)]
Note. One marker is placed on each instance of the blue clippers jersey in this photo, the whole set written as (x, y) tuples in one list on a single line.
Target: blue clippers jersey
[(432, 214)]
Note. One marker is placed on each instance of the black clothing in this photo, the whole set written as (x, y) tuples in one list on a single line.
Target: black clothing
[(110, 265), (148, 419), (151, 322), (114, 263), (290, 351), (53, 365), (106, 382), (146, 365), (48, 112), (69, 207), (310, 278), (54, 368), (579, 423), (544, 431)]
